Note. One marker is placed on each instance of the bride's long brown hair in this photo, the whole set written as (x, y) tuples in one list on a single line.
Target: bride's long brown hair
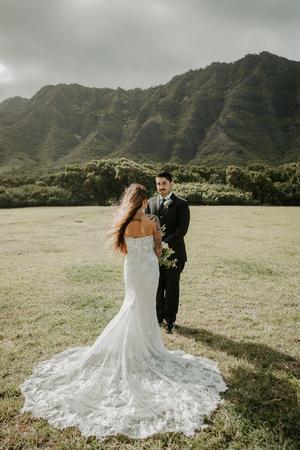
[(131, 201)]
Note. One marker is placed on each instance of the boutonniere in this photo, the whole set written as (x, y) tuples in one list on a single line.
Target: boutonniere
[(167, 203)]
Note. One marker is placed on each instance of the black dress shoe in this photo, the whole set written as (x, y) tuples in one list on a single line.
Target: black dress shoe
[(170, 327)]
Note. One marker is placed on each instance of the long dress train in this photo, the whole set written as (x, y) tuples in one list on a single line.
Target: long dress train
[(126, 382)]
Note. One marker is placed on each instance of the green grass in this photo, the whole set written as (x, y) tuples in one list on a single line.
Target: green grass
[(60, 285)]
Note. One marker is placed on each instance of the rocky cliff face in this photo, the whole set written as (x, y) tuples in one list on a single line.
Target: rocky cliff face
[(241, 112)]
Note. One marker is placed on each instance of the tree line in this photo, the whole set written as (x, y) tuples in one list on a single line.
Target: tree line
[(101, 182)]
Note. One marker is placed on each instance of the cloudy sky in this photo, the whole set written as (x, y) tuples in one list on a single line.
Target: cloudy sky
[(134, 43)]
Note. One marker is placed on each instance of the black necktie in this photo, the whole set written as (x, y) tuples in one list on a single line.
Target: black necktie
[(162, 203)]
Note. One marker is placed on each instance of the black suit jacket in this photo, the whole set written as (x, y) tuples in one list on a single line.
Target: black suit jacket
[(176, 218)]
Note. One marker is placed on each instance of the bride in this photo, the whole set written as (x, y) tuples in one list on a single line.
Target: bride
[(127, 382)]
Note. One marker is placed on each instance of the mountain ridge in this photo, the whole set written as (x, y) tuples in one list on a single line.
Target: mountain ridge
[(241, 112)]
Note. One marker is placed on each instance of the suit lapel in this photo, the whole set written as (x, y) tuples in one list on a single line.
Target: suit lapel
[(164, 211), (156, 205), (173, 198)]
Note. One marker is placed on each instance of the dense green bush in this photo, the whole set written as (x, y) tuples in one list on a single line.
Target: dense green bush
[(213, 194), (107, 179), (274, 186), (34, 195), (101, 182)]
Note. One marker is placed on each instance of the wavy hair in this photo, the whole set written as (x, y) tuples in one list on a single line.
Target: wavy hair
[(131, 201)]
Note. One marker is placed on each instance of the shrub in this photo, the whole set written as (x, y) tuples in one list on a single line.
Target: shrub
[(212, 194), (33, 195)]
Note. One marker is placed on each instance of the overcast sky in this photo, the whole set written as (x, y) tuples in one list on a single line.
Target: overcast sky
[(134, 43)]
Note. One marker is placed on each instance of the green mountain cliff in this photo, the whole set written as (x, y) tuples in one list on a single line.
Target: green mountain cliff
[(247, 111)]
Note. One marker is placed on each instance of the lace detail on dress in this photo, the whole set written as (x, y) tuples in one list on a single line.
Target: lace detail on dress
[(127, 381), (139, 244)]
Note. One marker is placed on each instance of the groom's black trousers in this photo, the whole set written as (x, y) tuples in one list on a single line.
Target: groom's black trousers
[(167, 297)]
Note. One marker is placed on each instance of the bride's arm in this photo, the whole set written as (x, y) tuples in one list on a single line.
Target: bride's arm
[(157, 236)]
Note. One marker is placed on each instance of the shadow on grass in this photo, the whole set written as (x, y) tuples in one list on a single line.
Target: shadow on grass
[(265, 395)]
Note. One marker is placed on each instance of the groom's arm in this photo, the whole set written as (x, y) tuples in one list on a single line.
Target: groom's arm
[(183, 224)]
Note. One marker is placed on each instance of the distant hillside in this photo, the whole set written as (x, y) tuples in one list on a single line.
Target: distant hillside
[(242, 112), (13, 104)]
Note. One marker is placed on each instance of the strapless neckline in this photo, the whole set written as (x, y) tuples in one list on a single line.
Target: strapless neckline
[(138, 237)]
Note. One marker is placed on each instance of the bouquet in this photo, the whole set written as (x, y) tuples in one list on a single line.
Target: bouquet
[(164, 259), (167, 252)]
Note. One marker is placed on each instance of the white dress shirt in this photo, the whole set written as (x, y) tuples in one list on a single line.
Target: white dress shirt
[(161, 198)]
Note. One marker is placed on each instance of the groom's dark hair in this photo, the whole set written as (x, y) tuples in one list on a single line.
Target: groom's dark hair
[(165, 174)]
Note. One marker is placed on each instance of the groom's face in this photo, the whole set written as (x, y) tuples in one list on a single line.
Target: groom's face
[(163, 186)]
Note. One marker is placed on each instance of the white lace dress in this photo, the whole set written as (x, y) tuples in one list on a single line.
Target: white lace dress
[(126, 382)]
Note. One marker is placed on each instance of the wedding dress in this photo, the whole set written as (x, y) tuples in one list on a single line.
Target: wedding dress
[(126, 382)]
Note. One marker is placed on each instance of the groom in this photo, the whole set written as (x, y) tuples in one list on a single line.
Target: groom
[(174, 213)]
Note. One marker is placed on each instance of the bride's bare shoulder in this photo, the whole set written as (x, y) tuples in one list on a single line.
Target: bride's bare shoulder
[(153, 218), (139, 226), (129, 227), (150, 219)]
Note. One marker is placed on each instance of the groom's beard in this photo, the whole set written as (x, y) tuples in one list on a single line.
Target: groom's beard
[(163, 192)]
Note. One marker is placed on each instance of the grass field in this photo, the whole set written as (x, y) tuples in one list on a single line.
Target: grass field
[(60, 285)]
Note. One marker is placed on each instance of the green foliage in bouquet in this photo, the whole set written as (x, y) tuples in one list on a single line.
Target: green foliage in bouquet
[(165, 258)]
